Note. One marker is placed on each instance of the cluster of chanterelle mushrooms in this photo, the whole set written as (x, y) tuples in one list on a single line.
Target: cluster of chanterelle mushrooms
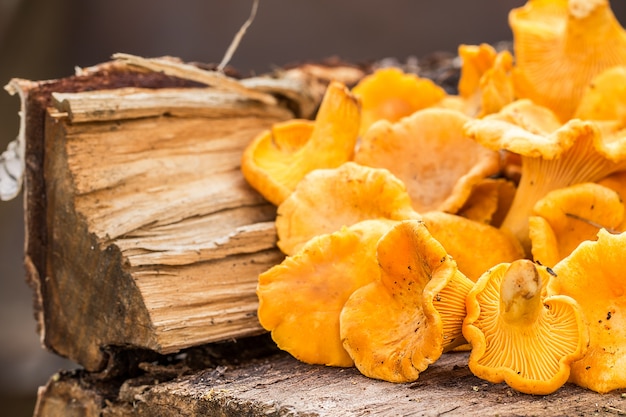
[(416, 222)]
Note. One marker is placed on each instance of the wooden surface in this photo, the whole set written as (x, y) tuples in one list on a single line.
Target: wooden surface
[(278, 385)]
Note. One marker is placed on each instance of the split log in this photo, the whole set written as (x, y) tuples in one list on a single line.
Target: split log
[(141, 231), (278, 385)]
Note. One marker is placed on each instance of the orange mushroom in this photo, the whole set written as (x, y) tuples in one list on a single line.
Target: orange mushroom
[(489, 201), (476, 60), (572, 215), (474, 246), (560, 46), (605, 97), (485, 84), (528, 118), (328, 199), (617, 183), (574, 153), (431, 154), (390, 94), (593, 274), (300, 299), (517, 334), (395, 327), (604, 102), (277, 159)]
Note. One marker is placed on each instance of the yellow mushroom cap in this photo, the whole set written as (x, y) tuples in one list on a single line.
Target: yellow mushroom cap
[(605, 97), (432, 155), (489, 201), (560, 46), (528, 116), (617, 183), (300, 299), (474, 246), (517, 335), (390, 94), (277, 159), (485, 84), (604, 102), (593, 274), (572, 215), (327, 199), (526, 129), (476, 60), (497, 85), (394, 328)]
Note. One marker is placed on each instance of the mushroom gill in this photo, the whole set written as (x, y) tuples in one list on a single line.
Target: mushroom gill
[(560, 46), (518, 335)]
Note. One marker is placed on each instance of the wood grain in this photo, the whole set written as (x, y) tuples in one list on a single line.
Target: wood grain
[(142, 231), (279, 385), (157, 241)]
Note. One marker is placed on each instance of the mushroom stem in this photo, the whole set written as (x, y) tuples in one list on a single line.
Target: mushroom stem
[(533, 185), (520, 293)]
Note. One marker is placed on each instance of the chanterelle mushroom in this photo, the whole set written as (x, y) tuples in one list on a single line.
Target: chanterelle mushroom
[(594, 276), (489, 201), (605, 97), (432, 155), (485, 85), (474, 246), (476, 60), (560, 46), (390, 94), (519, 336), (393, 328), (277, 159), (617, 183), (301, 298), (327, 199), (574, 153), (568, 216)]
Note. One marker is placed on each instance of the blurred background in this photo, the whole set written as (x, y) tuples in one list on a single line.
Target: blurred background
[(42, 39)]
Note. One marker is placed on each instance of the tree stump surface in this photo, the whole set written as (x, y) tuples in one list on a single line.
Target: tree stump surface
[(279, 385)]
